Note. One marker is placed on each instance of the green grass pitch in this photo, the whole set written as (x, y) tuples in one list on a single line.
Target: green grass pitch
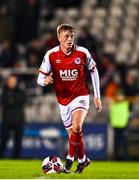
[(28, 169)]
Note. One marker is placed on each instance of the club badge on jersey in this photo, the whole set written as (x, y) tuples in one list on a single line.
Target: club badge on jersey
[(77, 60)]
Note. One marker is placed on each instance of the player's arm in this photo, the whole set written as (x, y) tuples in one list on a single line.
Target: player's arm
[(44, 80), (96, 86), (95, 80), (45, 74)]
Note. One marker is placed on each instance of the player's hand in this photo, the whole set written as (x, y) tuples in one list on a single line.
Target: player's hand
[(49, 79), (98, 104)]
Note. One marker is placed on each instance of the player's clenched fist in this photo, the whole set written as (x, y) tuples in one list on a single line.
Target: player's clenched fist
[(49, 79)]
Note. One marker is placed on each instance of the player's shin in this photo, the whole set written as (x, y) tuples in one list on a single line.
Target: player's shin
[(83, 161), (74, 142), (80, 153)]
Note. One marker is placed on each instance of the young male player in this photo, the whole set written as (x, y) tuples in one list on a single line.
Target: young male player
[(66, 67)]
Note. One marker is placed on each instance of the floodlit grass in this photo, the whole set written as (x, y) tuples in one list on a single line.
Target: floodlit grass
[(19, 169)]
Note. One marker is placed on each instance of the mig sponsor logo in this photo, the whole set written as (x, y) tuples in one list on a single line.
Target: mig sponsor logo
[(68, 74)]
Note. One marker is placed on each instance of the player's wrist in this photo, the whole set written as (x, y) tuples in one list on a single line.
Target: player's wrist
[(96, 97)]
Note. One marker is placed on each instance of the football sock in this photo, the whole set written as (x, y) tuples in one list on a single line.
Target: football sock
[(71, 158), (80, 153), (74, 142), (82, 160)]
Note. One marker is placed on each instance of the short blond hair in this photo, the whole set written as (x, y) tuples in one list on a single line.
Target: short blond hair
[(64, 27)]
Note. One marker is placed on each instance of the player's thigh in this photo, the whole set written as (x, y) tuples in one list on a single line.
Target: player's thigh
[(78, 118), (79, 108)]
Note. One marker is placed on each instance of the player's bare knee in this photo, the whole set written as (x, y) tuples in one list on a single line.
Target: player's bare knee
[(69, 131), (77, 128)]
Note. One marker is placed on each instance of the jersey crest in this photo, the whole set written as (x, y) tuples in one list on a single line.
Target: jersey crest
[(77, 60)]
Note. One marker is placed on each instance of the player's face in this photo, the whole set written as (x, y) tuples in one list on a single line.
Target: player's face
[(66, 39)]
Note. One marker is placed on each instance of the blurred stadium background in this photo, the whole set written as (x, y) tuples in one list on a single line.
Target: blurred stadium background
[(109, 29)]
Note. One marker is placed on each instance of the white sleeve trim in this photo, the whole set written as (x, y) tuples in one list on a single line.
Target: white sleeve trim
[(95, 81), (46, 66), (40, 80)]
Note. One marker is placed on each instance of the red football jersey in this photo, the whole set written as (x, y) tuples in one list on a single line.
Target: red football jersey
[(69, 72)]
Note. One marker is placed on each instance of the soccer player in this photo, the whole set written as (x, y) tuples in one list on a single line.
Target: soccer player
[(66, 67)]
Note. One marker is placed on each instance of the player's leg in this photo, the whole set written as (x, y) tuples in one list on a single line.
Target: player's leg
[(67, 121), (75, 113), (77, 123), (69, 159), (75, 139)]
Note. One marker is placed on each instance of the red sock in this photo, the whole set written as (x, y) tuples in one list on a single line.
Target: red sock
[(74, 142), (80, 151)]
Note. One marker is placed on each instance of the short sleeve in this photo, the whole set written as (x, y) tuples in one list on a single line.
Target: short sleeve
[(45, 67), (90, 61)]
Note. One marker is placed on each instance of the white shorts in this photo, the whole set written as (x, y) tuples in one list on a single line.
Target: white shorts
[(79, 103)]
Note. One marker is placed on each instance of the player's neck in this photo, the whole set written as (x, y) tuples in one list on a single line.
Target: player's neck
[(65, 50)]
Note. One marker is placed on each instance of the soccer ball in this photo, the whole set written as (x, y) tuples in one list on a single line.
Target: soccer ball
[(52, 165)]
